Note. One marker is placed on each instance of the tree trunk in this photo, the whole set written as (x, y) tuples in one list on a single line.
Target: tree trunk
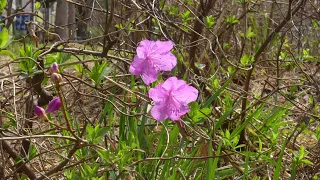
[(61, 19), (84, 19), (9, 12), (72, 21)]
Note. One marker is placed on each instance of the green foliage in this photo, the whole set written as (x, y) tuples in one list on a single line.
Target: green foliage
[(232, 19), (99, 70), (209, 21), (250, 33), (3, 4), (58, 57), (185, 18), (173, 10), (4, 37), (95, 134), (37, 5), (28, 60), (299, 158), (198, 115), (246, 60)]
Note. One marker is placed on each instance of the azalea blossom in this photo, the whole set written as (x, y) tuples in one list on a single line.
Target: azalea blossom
[(152, 57), (171, 99)]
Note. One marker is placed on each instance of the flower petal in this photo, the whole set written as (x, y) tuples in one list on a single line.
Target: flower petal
[(149, 75), (173, 83), (54, 105), (158, 94), (163, 62), (158, 112), (164, 46), (137, 67), (175, 114), (185, 93), (145, 47)]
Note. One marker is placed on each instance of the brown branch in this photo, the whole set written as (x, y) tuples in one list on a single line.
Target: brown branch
[(14, 155), (61, 165), (107, 42), (204, 9)]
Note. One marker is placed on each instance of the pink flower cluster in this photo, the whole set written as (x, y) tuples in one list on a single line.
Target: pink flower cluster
[(54, 104), (172, 96)]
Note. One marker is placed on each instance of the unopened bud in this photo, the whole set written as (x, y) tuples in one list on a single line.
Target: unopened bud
[(53, 105), (39, 111), (54, 68), (55, 77)]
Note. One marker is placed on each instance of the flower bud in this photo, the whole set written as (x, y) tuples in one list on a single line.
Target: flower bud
[(54, 105), (39, 111), (54, 68), (56, 78)]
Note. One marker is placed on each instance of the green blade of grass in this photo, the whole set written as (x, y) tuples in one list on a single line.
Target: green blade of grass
[(239, 129), (215, 95), (279, 162)]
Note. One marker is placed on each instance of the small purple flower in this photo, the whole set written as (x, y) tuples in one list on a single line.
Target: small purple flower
[(152, 57), (55, 77), (54, 105), (54, 68), (171, 99), (39, 111)]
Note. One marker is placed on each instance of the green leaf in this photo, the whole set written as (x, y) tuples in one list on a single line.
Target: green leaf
[(216, 160), (210, 163), (106, 70), (277, 171), (90, 129), (216, 83), (305, 161), (224, 117), (215, 95), (244, 60), (105, 154), (232, 19), (3, 4), (37, 5), (87, 169), (36, 54), (239, 129), (209, 21), (102, 132), (8, 53), (78, 68), (301, 153), (4, 37), (32, 152), (250, 33)]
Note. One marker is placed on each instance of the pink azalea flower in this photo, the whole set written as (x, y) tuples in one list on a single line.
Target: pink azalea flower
[(152, 57), (171, 99)]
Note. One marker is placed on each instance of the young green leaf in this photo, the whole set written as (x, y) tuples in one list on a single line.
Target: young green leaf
[(37, 5), (4, 37)]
